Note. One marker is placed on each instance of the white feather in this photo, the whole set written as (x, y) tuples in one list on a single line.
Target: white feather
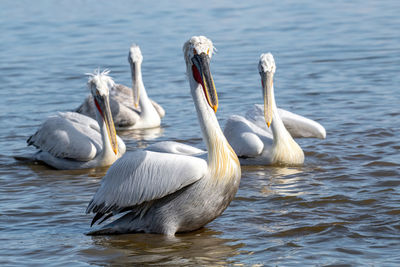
[(143, 176), (126, 116), (297, 125)]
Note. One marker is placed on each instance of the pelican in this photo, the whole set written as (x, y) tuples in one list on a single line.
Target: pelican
[(131, 107), (169, 193), (253, 122), (70, 140), (254, 143)]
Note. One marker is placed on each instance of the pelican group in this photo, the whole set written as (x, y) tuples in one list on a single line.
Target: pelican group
[(131, 107), (254, 143), (169, 193), (70, 140)]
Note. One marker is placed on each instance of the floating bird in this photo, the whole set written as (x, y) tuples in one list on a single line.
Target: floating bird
[(254, 121), (70, 140), (297, 125), (131, 107), (168, 193), (254, 143)]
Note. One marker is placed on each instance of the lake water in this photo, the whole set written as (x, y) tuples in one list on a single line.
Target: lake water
[(338, 62)]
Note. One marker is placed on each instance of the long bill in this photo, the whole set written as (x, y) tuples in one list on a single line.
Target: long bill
[(267, 87), (135, 84), (202, 75), (103, 105)]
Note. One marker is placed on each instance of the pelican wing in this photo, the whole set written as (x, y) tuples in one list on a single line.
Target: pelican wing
[(142, 176), (159, 109), (87, 107), (175, 148), (69, 135), (297, 125), (123, 94), (123, 115), (243, 136)]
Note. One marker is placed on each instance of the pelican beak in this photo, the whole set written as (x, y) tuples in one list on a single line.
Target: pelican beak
[(202, 75), (103, 106), (267, 84), (135, 84)]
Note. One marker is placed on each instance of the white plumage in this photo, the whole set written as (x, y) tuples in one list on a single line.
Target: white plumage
[(297, 125), (131, 107), (167, 193), (254, 121), (70, 140), (142, 176), (257, 144), (175, 148)]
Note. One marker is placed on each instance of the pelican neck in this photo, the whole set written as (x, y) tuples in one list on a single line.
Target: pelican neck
[(107, 151), (144, 101)]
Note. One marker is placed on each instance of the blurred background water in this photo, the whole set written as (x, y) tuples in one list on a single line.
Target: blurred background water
[(338, 62)]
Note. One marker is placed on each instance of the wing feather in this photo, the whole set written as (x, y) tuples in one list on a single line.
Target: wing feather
[(123, 94), (68, 135), (242, 136), (142, 176), (175, 148), (297, 125)]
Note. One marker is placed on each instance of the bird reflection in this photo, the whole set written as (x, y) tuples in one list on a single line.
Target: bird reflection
[(142, 134), (273, 180), (201, 247)]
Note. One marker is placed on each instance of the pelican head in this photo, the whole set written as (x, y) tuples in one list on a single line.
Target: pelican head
[(135, 58), (99, 84), (198, 52), (266, 68)]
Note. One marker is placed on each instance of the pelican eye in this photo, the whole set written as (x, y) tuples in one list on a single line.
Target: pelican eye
[(194, 51)]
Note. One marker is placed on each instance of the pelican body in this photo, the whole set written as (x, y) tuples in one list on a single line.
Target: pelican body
[(254, 143), (70, 140), (131, 107), (254, 121), (168, 193)]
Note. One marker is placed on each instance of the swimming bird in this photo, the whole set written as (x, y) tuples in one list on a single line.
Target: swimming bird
[(169, 193), (253, 142), (70, 140), (254, 121), (131, 107)]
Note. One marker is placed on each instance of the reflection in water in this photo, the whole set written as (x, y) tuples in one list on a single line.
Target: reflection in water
[(42, 170), (141, 134), (200, 247), (275, 180)]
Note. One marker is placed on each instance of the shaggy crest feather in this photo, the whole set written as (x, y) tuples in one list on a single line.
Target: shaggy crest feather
[(100, 80), (200, 44), (135, 54), (267, 63)]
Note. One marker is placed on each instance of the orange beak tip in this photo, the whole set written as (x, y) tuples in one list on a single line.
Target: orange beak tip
[(268, 124)]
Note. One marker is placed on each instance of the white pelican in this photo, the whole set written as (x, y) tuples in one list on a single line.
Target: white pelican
[(168, 193), (254, 143), (254, 121), (131, 107), (70, 140)]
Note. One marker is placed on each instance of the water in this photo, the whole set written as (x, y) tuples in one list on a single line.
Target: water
[(337, 62)]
